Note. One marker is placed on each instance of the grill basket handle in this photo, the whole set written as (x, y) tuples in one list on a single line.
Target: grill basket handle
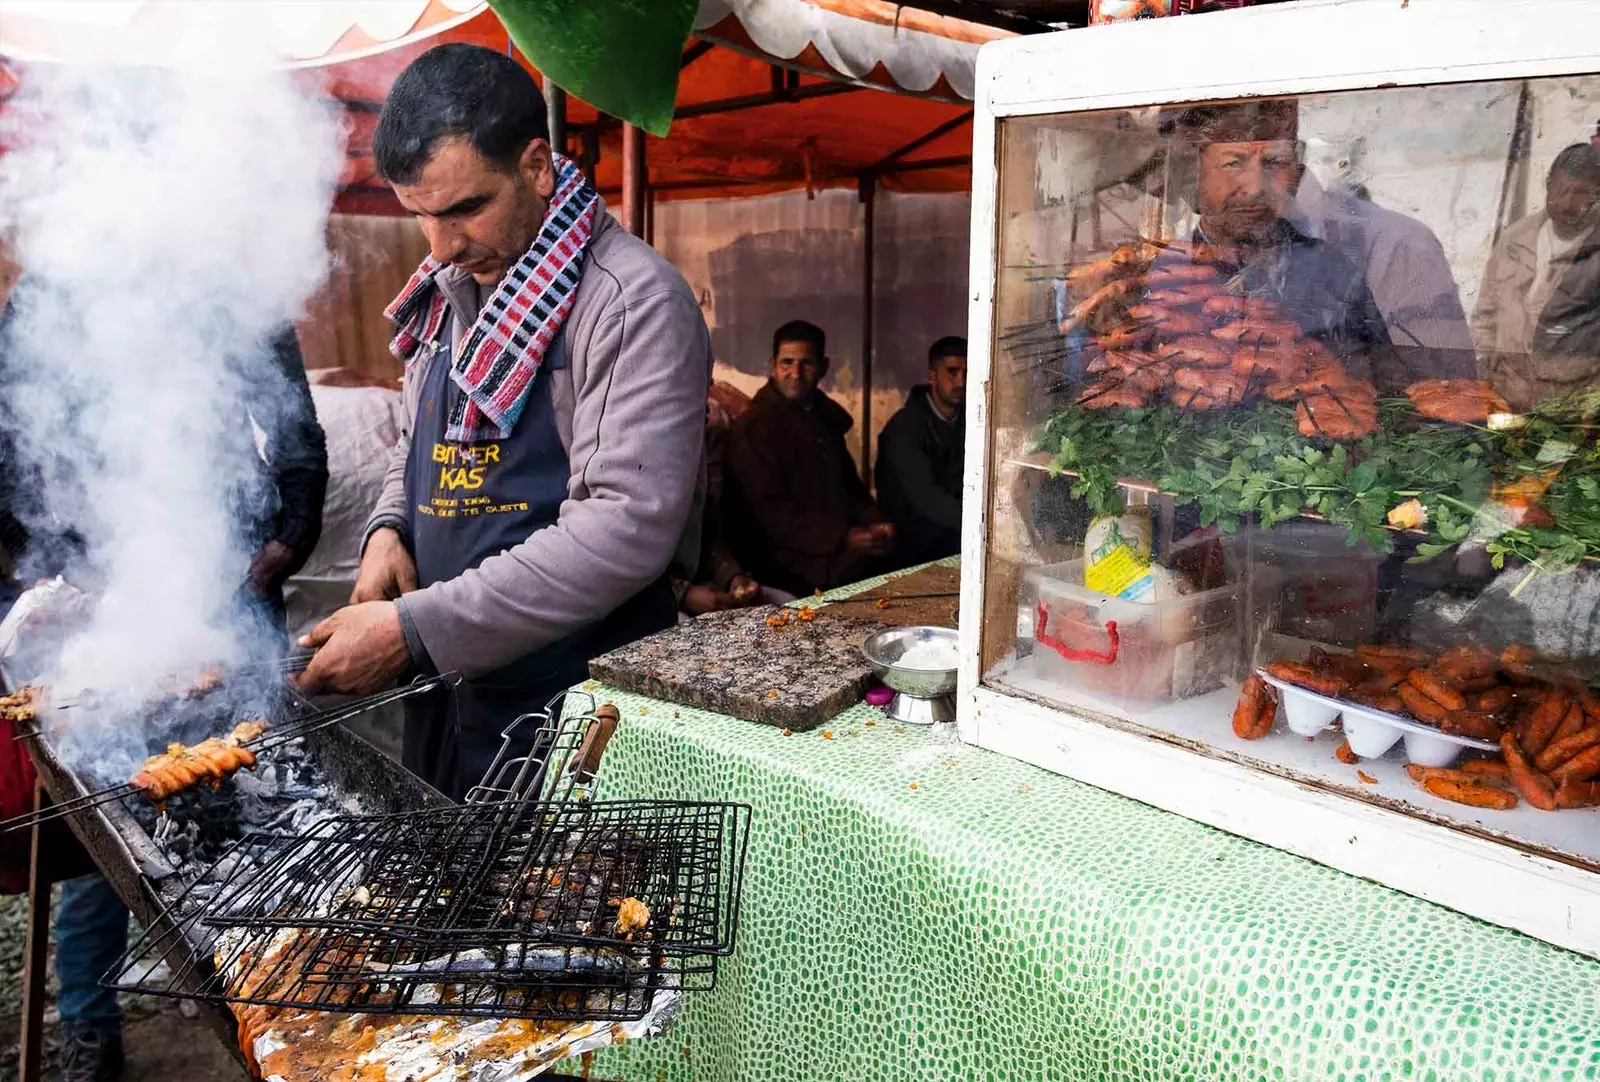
[(594, 742)]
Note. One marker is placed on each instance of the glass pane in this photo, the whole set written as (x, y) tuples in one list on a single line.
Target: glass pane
[(1307, 387)]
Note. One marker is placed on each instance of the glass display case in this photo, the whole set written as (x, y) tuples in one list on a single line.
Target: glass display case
[(1284, 466)]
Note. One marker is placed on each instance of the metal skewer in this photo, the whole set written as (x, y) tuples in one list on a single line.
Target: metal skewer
[(271, 739)]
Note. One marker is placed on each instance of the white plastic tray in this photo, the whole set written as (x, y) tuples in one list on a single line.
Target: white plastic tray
[(1370, 732)]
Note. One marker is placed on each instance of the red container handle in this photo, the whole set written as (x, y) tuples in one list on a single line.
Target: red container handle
[(1094, 657)]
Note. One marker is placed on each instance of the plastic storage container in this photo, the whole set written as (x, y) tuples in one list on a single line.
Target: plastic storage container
[(1329, 589), (1127, 653)]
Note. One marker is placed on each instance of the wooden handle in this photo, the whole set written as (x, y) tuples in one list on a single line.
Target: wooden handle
[(595, 740)]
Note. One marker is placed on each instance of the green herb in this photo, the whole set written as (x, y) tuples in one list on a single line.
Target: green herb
[(1253, 464)]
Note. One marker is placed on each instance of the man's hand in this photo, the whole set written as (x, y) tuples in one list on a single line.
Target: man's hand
[(269, 567), (387, 569), (860, 542), (359, 650), (874, 540), (744, 590)]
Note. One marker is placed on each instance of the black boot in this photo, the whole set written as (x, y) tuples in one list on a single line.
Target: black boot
[(90, 1055)]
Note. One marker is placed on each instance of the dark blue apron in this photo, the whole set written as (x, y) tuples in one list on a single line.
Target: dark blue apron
[(467, 503)]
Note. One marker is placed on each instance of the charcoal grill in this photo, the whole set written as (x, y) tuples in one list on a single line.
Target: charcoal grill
[(531, 902), (118, 834)]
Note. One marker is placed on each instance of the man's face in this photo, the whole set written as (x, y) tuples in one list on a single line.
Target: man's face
[(1570, 201), (475, 215), (797, 368), (948, 379), (1245, 187)]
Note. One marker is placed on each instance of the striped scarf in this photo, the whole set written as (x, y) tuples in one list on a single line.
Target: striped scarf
[(497, 361)]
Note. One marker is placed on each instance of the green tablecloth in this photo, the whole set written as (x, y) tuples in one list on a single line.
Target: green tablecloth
[(920, 910)]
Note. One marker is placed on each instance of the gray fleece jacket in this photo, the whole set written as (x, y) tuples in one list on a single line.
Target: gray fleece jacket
[(630, 411)]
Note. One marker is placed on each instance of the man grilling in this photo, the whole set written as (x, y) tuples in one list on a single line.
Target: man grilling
[(555, 384)]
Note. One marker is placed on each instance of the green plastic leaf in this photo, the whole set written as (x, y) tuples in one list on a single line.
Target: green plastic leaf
[(621, 56)]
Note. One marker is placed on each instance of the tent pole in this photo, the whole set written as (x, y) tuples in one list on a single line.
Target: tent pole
[(633, 179), (555, 107), (867, 191)]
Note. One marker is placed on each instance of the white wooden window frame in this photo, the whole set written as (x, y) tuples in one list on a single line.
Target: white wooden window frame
[(1298, 48)]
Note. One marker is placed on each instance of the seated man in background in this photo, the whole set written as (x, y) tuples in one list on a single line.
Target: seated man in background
[(798, 513), (920, 455), (1537, 289), (720, 581)]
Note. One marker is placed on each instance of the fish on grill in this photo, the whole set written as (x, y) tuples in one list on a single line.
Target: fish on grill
[(179, 767)]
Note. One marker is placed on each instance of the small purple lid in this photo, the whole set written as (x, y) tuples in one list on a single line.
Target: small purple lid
[(880, 696)]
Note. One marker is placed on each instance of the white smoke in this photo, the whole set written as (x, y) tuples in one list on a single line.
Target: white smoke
[(169, 220)]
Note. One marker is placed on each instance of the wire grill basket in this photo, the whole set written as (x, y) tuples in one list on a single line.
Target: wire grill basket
[(511, 905)]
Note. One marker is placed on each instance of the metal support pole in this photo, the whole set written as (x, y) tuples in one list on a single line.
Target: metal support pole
[(589, 155), (555, 107), (35, 952), (633, 179), (868, 190)]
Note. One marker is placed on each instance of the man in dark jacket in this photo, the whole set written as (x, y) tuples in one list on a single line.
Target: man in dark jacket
[(278, 516), (920, 456), (799, 515)]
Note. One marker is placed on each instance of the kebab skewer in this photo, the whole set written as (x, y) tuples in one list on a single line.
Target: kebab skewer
[(180, 767)]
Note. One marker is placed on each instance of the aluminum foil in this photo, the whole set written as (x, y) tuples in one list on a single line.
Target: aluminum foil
[(306, 1046)]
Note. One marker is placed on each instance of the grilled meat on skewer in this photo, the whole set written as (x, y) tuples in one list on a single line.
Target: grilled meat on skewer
[(179, 767), (22, 704)]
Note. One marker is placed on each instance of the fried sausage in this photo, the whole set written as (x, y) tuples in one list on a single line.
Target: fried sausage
[(1493, 701), (1570, 725), (1563, 748), (1385, 676), (1194, 293), (1256, 330), (1373, 654), (1418, 772), (1227, 306), (1466, 792), (1436, 689), (1535, 788), (1421, 706), (1466, 662), (1194, 349), (1113, 392), (1578, 794), (1544, 721), (1128, 337), (1470, 723), (1256, 703), (1487, 771), (1304, 676), (1581, 767), (1591, 706)]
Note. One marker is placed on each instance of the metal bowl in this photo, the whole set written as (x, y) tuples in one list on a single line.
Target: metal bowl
[(883, 650)]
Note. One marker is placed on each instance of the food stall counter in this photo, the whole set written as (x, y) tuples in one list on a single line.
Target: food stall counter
[(916, 908)]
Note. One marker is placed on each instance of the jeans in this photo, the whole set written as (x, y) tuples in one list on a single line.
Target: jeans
[(91, 934)]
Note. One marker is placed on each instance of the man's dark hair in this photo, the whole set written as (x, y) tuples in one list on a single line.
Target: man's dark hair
[(798, 330), (1580, 161), (951, 345), (453, 90)]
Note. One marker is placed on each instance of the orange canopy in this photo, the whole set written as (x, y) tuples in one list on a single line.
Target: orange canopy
[(774, 94)]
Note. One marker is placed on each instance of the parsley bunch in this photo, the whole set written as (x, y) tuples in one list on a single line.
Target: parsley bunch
[(1253, 464)]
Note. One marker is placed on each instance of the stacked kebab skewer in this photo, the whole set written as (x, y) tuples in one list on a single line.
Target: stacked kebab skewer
[(1166, 320)]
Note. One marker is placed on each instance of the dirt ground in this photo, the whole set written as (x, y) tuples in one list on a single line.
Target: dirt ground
[(162, 1041)]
